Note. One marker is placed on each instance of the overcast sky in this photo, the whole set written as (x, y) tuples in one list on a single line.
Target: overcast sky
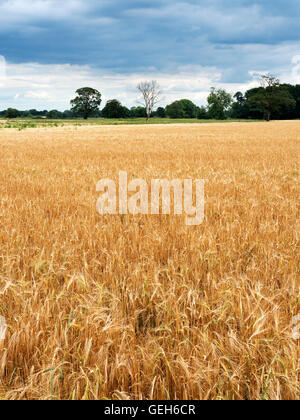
[(49, 48)]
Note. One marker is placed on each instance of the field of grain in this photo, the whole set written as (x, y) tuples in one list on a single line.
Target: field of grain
[(145, 307)]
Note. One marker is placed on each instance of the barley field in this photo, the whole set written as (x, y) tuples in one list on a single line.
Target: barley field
[(145, 307)]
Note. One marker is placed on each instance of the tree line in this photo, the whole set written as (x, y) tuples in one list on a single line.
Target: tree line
[(271, 99)]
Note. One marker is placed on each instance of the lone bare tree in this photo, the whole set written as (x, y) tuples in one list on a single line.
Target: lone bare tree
[(150, 93)]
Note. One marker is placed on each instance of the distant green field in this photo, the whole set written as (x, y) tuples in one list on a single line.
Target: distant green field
[(21, 124)]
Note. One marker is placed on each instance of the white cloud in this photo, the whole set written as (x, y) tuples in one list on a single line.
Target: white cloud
[(296, 69), (52, 86), (2, 70), (34, 85), (39, 94)]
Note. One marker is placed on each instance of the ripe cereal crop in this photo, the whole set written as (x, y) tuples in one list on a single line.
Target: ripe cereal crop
[(145, 307)]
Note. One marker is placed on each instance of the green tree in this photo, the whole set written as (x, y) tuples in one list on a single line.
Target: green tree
[(271, 97), (33, 112), (113, 109), (240, 107), (190, 110), (67, 114), (288, 112), (219, 102), (295, 92), (11, 113), (54, 114), (138, 112), (161, 112), (184, 108), (87, 102), (202, 113), (175, 110)]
